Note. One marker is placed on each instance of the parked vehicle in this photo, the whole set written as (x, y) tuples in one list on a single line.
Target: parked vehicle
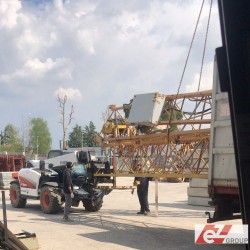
[(44, 179), (222, 176)]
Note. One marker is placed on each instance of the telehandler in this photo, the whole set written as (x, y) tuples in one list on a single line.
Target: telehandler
[(43, 180)]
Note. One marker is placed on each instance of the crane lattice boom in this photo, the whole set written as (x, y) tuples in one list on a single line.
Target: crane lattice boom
[(173, 145)]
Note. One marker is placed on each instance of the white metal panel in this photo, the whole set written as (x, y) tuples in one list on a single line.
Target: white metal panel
[(146, 109), (225, 183), (223, 137), (222, 167), (225, 166), (222, 109), (62, 159), (29, 181)]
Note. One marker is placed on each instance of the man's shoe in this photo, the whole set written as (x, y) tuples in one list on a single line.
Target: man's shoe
[(66, 218), (147, 213), (140, 212)]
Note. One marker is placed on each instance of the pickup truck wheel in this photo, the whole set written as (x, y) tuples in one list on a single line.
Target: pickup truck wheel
[(49, 201), (15, 196)]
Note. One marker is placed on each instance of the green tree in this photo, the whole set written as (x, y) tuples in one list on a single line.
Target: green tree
[(175, 112), (10, 140), (40, 137), (1, 139), (89, 135), (76, 137)]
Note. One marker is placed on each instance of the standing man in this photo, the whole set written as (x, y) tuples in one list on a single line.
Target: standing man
[(142, 184), (68, 189)]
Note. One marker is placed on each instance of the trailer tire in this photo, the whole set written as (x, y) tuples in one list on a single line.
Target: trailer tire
[(49, 200), (93, 205), (15, 196)]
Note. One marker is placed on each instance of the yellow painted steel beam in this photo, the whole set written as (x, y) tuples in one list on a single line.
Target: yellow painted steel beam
[(156, 175), (115, 187), (188, 121), (161, 138), (190, 95), (172, 97)]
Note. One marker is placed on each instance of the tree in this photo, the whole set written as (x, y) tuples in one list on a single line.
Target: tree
[(1, 139), (10, 140), (173, 112), (76, 137), (40, 137), (65, 123), (89, 134)]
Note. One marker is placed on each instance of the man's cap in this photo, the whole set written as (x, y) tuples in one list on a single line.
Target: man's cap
[(69, 164)]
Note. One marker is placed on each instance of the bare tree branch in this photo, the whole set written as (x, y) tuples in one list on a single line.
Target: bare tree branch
[(62, 109)]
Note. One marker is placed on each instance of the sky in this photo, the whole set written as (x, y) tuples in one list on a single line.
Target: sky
[(98, 53)]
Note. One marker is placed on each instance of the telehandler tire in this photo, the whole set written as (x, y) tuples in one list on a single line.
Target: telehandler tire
[(49, 201), (15, 196), (93, 205)]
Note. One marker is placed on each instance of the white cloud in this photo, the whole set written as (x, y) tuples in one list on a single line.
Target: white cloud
[(8, 13), (205, 84), (84, 8), (59, 5), (205, 81), (86, 41), (28, 43), (72, 94), (35, 68), (38, 66), (98, 53)]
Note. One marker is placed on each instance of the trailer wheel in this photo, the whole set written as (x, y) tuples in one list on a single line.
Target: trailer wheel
[(49, 201), (15, 196), (93, 204)]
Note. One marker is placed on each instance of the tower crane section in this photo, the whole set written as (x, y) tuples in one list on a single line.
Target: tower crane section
[(168, 135)]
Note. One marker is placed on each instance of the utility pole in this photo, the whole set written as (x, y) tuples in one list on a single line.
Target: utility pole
[(37, 145), (24, 125)]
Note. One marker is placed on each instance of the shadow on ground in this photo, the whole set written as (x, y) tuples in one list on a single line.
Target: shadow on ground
[(126, 231), (143, 235)]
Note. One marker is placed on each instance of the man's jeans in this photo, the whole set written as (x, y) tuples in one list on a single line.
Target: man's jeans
[(67, 205)]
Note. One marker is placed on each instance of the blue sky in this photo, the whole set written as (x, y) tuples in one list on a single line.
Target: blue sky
[(98, 53)]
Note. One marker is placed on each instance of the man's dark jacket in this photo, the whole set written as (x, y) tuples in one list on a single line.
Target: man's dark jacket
[(67, 180)]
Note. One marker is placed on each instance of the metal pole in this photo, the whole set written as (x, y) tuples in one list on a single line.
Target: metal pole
[(114, 166), (37, 145), (156, 196), (6, 238), (24, 124), (23, 135)]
